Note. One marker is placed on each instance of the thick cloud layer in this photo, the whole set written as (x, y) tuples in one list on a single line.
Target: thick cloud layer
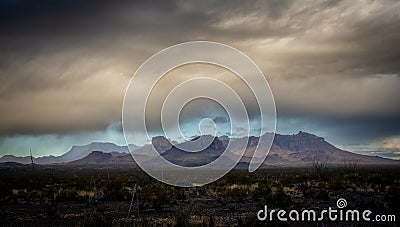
[(332, 65)]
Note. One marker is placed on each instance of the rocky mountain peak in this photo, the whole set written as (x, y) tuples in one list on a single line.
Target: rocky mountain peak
[(161, 143)]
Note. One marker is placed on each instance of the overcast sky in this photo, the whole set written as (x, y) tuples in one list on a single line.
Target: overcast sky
[(333, 66)]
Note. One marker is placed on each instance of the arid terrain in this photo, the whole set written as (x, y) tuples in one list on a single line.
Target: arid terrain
[(94, 195)]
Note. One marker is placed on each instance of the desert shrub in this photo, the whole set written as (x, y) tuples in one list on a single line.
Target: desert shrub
[(350, 166), (335, 182), (264, 190), (288, 179), (182, 219), (51, 210), (392, 195), (180, 194), (304, 188), (320, 167), (240, 178), (380, 181), (322, 194), (66, 194), (158, 194), (237, 193), (96, 219), (120, 194), (160, 199), (211, 221), (281, 199)]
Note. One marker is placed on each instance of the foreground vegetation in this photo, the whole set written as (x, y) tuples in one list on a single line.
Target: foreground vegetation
[(102, 195)]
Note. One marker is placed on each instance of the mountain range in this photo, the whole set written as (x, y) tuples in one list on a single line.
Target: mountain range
[(287, 150), (75, 153)]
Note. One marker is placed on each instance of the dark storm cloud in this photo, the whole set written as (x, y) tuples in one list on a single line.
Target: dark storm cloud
[(64, 65)]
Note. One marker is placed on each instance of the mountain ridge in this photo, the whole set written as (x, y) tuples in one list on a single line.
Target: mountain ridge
[(286, 150)]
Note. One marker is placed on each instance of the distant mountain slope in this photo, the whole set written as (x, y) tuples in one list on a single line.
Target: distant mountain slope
[(307, 148), (301, 142), (75, 153), (12, 158), (10, 164), (99, 157), (190, 159), (159, 143), (287, 150)]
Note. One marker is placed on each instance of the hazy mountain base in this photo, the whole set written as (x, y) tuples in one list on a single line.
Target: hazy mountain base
[(102, 194)]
